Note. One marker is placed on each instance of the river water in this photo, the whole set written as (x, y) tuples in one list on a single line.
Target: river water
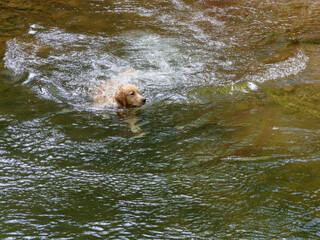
[(229, 141)]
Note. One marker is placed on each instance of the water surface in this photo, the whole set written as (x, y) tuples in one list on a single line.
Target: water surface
[(230, 133)]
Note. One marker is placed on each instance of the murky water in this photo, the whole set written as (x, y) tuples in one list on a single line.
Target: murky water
[(230, 133)]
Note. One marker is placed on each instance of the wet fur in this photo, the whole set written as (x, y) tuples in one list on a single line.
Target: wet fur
[(126, 96)]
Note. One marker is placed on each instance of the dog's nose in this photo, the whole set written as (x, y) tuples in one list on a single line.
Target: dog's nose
[(144, 100)]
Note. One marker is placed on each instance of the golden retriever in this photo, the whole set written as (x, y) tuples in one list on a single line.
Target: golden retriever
[(125, 96)]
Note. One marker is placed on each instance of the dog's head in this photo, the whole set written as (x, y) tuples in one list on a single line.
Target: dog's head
[(128, 96)]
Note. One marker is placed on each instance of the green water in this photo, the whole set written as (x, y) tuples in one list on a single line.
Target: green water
[(229, 141)]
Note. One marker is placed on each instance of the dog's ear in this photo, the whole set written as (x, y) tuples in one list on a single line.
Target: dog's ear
[(120, 97)]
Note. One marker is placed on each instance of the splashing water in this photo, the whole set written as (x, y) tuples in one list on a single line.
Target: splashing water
[(64, 66), (229, 132)]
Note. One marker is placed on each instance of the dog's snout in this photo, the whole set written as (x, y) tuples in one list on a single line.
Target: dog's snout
[(144, 100)]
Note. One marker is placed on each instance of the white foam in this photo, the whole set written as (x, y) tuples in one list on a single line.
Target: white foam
[(31, 31), (65, 66), (71, 65), (252, 86), (291, 66)]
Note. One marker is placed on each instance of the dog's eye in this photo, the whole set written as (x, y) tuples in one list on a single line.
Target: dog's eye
[(132, 93)]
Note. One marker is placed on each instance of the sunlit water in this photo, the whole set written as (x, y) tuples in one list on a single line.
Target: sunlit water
[(229, 141)]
